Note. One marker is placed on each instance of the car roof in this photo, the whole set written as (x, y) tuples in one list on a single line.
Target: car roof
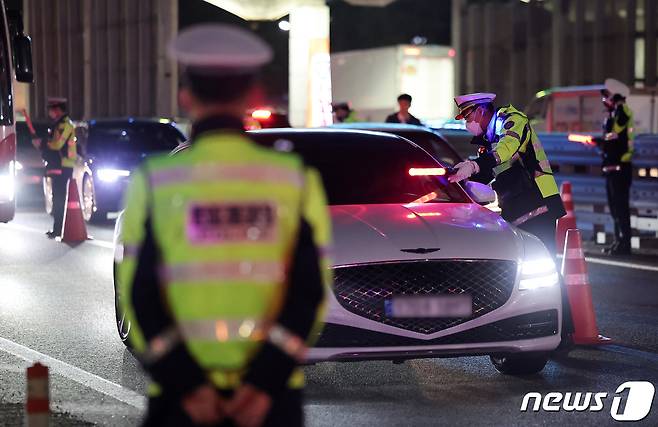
[(138, 120), (383, 126), (329, 132), (353, 134)]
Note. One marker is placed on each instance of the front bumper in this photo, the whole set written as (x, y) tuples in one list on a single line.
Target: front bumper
[(530, 321)]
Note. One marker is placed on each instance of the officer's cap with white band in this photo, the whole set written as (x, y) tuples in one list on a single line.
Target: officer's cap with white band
[(55, 101), (219, 50), (615, 87), (465, 103)]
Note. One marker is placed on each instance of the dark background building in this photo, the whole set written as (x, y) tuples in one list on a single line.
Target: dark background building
[(517, 48)]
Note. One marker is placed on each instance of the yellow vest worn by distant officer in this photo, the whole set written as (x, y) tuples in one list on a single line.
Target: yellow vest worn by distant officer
[(513, 139), (63, 141), (226, 231)]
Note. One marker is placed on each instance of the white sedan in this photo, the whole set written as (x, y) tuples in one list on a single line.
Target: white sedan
[(421, 268)]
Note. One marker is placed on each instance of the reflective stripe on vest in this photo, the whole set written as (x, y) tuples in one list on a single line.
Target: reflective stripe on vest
[(223, 330), (242, 271), (214, 172)]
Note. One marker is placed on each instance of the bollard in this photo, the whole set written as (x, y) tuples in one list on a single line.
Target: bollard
[(37, 407)]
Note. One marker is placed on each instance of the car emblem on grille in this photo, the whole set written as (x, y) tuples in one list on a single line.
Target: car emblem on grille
[(421, 250)]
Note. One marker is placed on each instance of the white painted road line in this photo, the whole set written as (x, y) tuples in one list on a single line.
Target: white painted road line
[(93, 242), (78, 375), (614, 263)]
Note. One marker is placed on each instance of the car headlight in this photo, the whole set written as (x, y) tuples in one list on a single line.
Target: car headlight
[(538, 273), (7, 180), (111, 175)]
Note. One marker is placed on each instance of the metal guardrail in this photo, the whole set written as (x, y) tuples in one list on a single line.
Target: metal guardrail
[(581, 165)]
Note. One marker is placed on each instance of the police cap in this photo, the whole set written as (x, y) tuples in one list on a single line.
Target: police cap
[(219, 50), (54, 102), (466, 103)]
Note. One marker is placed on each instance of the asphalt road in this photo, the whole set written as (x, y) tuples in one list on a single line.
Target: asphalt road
[(56, 305)]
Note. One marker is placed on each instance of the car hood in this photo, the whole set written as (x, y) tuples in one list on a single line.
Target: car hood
[(375, 233)]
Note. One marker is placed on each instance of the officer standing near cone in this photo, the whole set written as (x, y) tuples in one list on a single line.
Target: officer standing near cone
[(60, 155), (222, 268), (527, 192), (617, 151)]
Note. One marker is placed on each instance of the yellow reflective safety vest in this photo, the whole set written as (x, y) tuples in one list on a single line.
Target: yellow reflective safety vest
[(64, 142), (518, 160), (619, 150), (224, 215)]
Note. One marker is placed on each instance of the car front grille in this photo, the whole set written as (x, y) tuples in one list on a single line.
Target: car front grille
[(363, 289)]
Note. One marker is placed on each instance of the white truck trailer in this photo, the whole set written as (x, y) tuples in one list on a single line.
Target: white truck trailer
[(371, 80)]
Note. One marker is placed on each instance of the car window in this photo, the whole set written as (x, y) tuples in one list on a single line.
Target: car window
[(137, 137), (434, 145), (367, 170)]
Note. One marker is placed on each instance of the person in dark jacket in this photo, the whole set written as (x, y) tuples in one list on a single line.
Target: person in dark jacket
[(403, 115)]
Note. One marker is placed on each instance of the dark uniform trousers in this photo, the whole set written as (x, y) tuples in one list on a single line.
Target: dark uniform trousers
[(543, 227), (60, 188), (618, 187), (286, 411)]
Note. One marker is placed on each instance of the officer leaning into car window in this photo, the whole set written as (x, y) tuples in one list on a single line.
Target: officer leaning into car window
[(60, 155), (223, 264), (527, 192), (617, 152)]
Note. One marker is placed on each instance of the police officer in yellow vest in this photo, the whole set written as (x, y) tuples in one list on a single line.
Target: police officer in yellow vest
[(60, 155), (617, 152), (224, 253), (527, 192)]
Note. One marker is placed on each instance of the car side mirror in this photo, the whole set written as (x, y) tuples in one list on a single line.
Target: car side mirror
[(480, 193), (23, 58)]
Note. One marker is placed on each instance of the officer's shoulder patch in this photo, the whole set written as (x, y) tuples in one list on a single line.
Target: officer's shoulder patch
[(509, 124)]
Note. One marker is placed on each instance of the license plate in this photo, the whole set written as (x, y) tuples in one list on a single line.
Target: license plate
[(429, 306)]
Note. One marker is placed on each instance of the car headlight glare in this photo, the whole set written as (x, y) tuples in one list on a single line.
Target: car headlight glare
[(112, 175), (538, 273)]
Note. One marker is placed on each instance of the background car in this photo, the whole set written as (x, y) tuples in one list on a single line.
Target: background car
[(109, 150), (421, 270)]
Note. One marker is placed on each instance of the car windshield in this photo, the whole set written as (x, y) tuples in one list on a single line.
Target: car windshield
[(366, 168), (132, 137), (433, 144)]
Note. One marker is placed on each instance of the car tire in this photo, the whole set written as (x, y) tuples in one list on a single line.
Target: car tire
[(90, 211), (48, 195), (519, 364), (123, 325)]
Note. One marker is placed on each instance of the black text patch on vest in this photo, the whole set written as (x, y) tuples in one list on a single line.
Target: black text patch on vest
[(231, 222)]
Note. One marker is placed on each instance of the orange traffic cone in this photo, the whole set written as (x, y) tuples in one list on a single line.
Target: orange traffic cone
[(37, 407), (74, 229), (566, 222), (574, 271)]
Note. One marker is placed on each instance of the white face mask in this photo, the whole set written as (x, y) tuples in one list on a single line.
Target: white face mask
[(474, 128)]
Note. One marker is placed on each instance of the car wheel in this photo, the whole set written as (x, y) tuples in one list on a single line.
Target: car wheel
[(123, 325), (519, 364), (90, 210), (48, 194)]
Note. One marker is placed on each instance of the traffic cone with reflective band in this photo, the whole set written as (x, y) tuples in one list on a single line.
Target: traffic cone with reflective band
[(74, 229), (566, 222), (574, 272), (38, 396)]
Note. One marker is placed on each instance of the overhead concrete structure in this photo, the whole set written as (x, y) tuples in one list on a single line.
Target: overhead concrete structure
[(370, 3), (310, 70)]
